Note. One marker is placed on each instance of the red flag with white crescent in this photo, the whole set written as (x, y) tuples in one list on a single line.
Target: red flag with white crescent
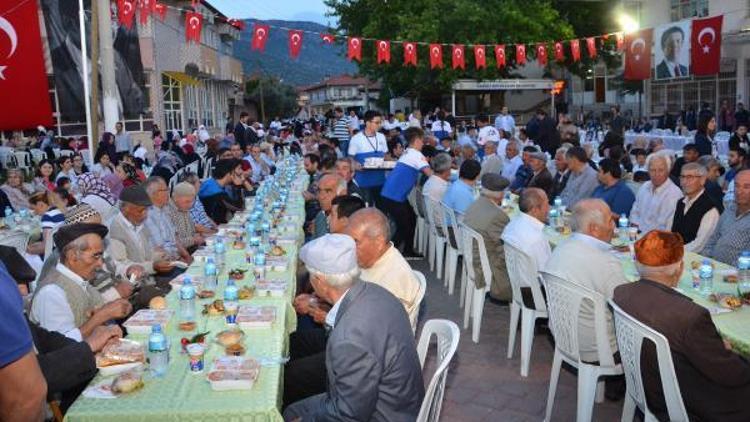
[(410, 53), (619, 40), (436, 56), (126, 12), (355, 49), (193, 25), (237, 23), (160, 10), (559, 52), (146, 9), (520, 54), (480, 57), (260, 36), (457, 56), (295, 42), (23, 78), (384, 51), (500, 55), (638, 55), (328, 38), (575, 50), (541, 54), (591, 46), (705, 46)]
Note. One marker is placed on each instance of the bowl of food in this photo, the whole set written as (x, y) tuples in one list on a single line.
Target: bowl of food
[(206, 294), (228, 338), (237, 273), (235, 350), (214, 308)]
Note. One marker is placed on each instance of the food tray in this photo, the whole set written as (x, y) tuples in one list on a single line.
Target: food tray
[(142, 321), (256, 316)]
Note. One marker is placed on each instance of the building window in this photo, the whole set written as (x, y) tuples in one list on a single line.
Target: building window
[(206, 106), (191, 105), (172, 103), (685, 9)]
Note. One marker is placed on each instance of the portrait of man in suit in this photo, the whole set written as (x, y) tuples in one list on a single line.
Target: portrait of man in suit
[(672, 43)]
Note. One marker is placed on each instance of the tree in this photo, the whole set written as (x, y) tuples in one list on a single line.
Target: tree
[(279, 99), (466, 22)]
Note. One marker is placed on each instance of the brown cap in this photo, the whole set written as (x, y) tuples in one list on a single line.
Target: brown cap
[(659, 248)]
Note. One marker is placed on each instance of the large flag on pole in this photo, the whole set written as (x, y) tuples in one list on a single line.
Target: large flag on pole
[(23, 78), (638, 55), (705, 46)]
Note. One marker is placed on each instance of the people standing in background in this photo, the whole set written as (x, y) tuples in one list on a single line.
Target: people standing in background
[(369, 143), (705, 132), (440, 127), (123, 144), (353, 121), (505, 122), (341, 129)]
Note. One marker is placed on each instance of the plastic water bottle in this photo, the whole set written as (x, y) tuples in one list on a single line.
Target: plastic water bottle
[(623, 223), (706, 273), (743, 271), (553, 214), (158, 353), (231, 293), (187, 300), (558, 202), (211, 272), (10, 220)]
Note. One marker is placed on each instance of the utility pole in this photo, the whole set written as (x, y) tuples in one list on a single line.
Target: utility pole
[(110, 102), (262, 101), (94, 74)]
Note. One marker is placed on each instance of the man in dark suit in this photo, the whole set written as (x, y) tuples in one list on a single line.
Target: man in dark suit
[(541, 178), (671, 44), (241, 129), (714, 381), (548, 138), (371, 359)]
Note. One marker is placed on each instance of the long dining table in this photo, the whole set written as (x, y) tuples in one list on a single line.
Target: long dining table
[(181, 395), (733, 325)]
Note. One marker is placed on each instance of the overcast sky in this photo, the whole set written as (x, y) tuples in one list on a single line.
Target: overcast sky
[(300, 10)]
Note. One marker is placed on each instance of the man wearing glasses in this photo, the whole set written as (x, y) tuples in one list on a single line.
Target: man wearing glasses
[(369, 143), (65, 300), (696, 216)]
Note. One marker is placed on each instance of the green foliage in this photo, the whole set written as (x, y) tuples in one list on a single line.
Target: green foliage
[(469, 22), (279, 99)]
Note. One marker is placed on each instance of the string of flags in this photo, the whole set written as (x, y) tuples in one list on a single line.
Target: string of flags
[(705, 41)]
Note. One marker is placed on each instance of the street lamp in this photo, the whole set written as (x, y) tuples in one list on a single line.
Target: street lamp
[(627, 23)]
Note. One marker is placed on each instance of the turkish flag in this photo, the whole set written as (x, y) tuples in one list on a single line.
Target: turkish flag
[(559, 53), (705, 46), (193, 25), (500, 55), (638, 55), (237, 23), (384, 51), (410, 53), (541, 54), (520, 54), (126, 12), (575, 50), (328, 38), (161, 10), (620, 40), (295, 42), (146, 9), (23, 78), (591, 46), (457, 56), (436, 56), (480, 57), (355, 49), (260, 36)]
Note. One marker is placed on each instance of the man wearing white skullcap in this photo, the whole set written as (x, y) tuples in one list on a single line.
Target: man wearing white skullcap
[(371, 358)]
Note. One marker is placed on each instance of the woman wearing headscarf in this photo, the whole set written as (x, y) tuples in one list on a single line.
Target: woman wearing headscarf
[(14, 188), (96, 193), (203, 135), (116, 182)]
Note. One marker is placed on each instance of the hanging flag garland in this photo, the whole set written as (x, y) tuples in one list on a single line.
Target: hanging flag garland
[(635, 47), (126, 12)]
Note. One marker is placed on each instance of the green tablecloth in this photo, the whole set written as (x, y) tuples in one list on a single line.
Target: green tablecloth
[(733, 326), (183, 396)]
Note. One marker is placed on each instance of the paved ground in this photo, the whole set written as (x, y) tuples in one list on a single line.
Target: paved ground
[(485, 386)]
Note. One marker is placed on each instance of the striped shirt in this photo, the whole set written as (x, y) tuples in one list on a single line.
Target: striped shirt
[(52, 218), (341, 129), (198, 213)]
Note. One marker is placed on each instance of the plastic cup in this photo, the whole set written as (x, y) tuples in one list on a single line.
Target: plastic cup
[(633, 234), (196, 352), (230, 312)]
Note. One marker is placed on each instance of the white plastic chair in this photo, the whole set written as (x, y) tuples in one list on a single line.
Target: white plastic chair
[(452, 254), (23, 160), (564, 300), (474, 296), (448, 336), (16, 239), (630, 334), (420, 231), (420, 296), (522, 273), (38, 155), (438, 235)]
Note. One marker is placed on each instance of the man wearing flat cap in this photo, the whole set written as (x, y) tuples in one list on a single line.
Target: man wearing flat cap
[(129, 239), (714, 381), (371, 357), (487, 218), (541, 177), (65, 300)]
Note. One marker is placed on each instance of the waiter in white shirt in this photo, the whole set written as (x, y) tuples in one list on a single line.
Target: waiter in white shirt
[(488, 133), (506, 122)]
